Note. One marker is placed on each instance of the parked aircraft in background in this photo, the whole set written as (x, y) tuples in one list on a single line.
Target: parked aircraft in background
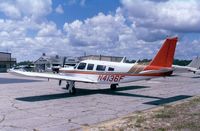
[(193, 66), (113, 73)]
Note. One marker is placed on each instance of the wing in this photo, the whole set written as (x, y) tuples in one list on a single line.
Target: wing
[(183, 69), (197, 71), (51, 76)]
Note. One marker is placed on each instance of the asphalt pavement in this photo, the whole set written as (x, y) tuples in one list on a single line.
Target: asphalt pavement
[(42, 105)]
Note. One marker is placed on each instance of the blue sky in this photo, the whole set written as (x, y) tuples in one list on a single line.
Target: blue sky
[(76, 10), (132, 28)]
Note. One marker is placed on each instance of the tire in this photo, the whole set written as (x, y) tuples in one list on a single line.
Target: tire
[(113, 86), (72, 91), (67, 86)]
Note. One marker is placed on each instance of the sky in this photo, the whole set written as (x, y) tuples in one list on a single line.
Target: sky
[(132, 28)]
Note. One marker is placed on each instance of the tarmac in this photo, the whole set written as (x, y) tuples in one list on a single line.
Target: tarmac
[(42, 105)]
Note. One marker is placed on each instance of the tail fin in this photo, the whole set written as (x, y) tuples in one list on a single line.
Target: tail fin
[(165, 56), (195, 63)]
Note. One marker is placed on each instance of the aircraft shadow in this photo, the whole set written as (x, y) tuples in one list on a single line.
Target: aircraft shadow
[(174, 75), (196, 77), (15, 80), (85, 92), (168, 100)]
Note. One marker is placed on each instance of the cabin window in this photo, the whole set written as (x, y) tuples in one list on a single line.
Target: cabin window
[(101, 68), (90, 66), (110, 69), (81, 66)]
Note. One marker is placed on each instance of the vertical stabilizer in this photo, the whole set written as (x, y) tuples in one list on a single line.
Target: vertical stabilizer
[(165, 56), (195, 63)]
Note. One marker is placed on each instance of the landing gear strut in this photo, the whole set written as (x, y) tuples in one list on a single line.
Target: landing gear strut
[(67, 85), (113, 86), (71, 87)]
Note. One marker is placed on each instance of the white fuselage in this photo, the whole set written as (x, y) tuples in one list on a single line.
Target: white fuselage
[(104, 72)]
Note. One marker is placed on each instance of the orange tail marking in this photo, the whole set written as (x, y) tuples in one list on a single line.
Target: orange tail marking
[(165, 56)]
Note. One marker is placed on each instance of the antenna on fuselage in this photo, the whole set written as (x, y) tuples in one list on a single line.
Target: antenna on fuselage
[(100, 57), (64, 60), (136, 62), (123, 60)]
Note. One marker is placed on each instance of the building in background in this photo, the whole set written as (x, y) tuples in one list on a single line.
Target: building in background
[(71, 61), (53, 63), (6, 61), (45, 62)]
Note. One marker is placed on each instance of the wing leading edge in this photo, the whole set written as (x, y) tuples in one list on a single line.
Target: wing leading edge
[(52, 76)]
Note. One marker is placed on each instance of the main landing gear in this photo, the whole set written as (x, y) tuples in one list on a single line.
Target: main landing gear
[(113, 86), (70, 86)]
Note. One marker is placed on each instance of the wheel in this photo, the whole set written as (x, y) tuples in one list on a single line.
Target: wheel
[(72, 91), (113, 86)]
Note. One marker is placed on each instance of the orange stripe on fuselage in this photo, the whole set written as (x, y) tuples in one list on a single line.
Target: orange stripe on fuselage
[(116, 73), (137, 68)]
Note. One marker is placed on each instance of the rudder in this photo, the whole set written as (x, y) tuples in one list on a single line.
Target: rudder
[(165, 56)]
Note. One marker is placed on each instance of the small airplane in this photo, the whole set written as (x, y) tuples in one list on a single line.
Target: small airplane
[(113, 73), (193, 66)]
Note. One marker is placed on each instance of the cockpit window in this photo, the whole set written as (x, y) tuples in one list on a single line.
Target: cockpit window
[(111, 69), (81, 66), (90, 66), (101, 68)]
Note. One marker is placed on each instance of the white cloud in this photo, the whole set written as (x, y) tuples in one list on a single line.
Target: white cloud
[(16, 37), (49, 29), (108, 35), (35, 9), (151, 35), (10, 10), (80, 2), (135, 30), (59, 9), (100, 30), (101, 34), (188, 48), (173, 15)]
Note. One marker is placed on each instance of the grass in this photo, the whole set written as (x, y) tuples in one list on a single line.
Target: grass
[(188, 125), (139, 121), (165, 113), (182, 116)]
